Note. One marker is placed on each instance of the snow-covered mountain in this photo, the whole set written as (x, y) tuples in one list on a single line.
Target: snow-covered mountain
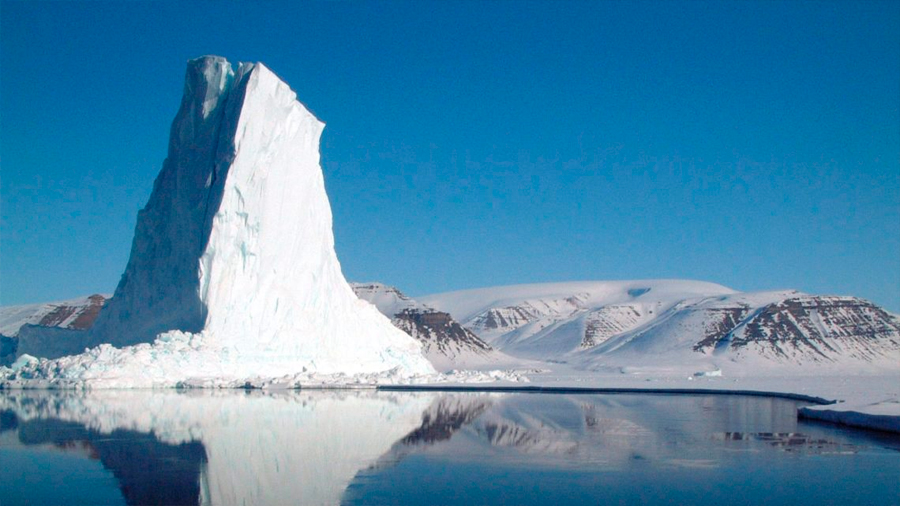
[(77, 314), (233, 273), (446, 343), (645, 321), (547, 320), (23, 327), (387, 299), (804, 327), (782, 327)]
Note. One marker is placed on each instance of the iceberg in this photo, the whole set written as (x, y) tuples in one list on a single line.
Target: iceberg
[(233, 274)]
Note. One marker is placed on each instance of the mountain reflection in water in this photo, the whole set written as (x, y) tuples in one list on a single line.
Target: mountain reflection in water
[(328, 447)]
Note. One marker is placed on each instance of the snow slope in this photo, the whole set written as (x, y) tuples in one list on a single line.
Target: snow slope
[(233, 272), (467, 304), (388, 299), (552, 319)]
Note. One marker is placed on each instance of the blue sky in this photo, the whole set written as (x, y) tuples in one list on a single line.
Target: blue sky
[(752, 144)]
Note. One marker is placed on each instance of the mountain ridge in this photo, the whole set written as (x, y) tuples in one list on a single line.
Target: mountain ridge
[(593, 322)]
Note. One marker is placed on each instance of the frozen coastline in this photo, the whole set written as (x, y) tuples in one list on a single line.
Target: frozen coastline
[(867, 401)]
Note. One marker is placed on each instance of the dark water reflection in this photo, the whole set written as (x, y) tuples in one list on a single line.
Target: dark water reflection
[(366, 447)]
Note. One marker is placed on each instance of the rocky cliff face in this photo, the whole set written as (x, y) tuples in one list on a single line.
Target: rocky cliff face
[(446, 343), (438, 330), (808, 327), (606, 322), (79, 317)]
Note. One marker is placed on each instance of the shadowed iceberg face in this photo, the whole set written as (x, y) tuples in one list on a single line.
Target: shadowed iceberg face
[(369, 447), (160, 288)]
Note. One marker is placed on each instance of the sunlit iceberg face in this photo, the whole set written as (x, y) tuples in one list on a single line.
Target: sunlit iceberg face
[(365, 447)]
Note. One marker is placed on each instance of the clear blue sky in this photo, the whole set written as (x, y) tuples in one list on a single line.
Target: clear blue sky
[(753, 144)]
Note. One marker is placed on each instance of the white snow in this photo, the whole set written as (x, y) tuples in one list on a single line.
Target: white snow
[(388, 299), (880, 415), (626, 322), (466, 304), (23, 360), (541, 321)]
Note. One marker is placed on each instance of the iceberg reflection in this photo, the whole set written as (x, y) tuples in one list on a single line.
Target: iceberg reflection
[(221, 448), (365, 446)]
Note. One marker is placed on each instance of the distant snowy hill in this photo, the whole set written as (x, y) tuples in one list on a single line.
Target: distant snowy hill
[(551, 319), (780, 327), (446, 343), (804, 327), (77, 313), (65, 317), (655, 321)]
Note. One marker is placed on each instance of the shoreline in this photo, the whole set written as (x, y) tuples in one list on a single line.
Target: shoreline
[(604, 390)]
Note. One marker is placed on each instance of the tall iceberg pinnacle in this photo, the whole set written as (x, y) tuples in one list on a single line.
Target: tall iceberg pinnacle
[(160, 289), (233, 272)]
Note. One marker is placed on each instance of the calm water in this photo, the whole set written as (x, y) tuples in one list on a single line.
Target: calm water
[(366, 447)]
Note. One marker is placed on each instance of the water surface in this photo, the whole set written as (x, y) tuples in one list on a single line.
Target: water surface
[(367, 447)]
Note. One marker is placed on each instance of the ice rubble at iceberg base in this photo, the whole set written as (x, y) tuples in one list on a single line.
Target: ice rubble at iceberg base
[(233, 279)]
